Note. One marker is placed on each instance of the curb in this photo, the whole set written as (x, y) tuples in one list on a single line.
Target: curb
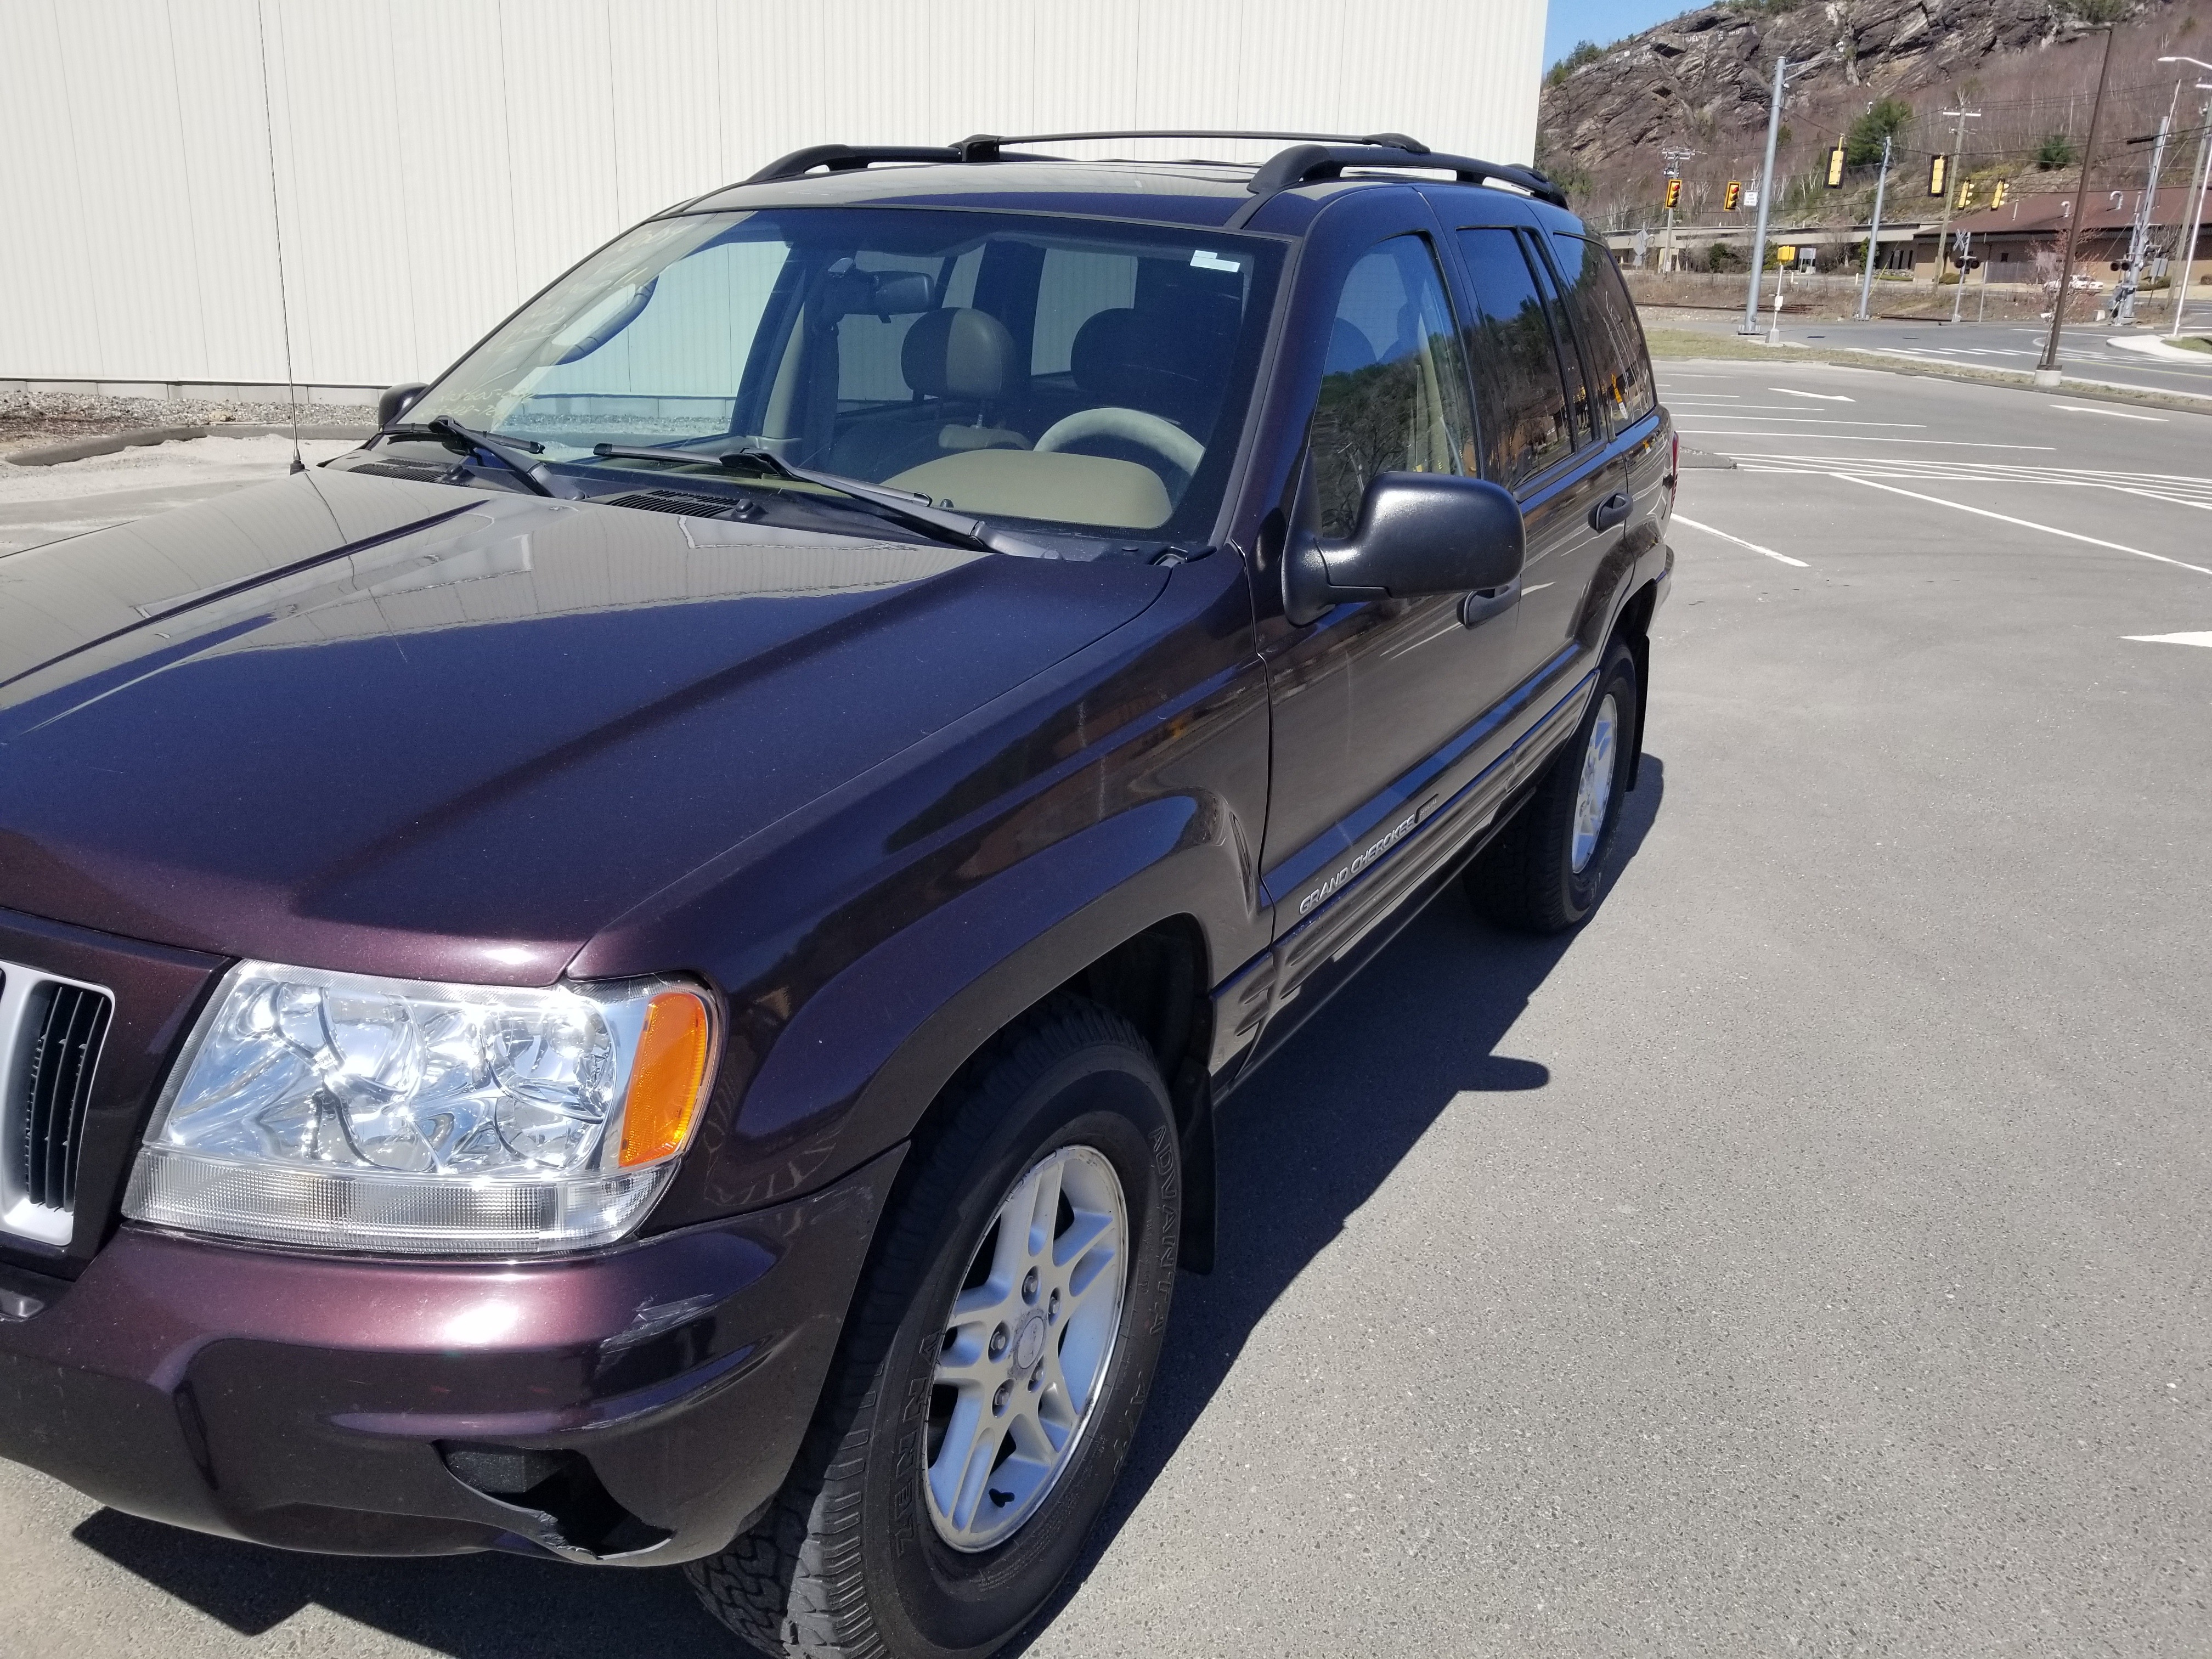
[(78, 449)]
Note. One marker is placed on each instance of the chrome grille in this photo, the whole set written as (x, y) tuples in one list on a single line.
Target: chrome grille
[(50, 1032)]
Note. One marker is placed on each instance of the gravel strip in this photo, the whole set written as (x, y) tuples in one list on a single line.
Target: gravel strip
[(32, 419)]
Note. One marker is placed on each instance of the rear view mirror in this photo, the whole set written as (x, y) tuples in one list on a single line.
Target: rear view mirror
[(880, 293), (1419, 533)]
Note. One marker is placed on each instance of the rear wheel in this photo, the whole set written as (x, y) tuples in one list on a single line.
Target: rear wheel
[(994, 1366), (1547, 869)]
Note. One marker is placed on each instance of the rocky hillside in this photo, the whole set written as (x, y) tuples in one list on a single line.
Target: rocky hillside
[(1701, 83)]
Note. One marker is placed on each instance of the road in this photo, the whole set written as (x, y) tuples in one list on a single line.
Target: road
[(1808, 1256), (2087, 351)]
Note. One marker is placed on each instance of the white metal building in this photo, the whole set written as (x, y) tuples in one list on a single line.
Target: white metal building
[(423, 166)]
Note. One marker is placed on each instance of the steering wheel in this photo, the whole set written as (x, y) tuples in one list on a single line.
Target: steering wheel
[(1162, 437)]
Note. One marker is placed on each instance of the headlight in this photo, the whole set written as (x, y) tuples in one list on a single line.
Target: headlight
[(349, 1113)]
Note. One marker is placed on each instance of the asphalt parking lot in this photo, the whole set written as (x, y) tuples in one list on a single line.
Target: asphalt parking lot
[(1809, 1256)]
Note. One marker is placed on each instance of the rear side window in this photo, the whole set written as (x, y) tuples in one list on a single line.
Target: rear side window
[(1517, 382), (1613, 340), (1573, 351), (1393, 388)]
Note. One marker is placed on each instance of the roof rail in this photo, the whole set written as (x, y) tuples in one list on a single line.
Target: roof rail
[(985, 146), (847, 158), (1306, 164)]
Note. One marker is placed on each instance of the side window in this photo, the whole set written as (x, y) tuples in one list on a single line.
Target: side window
[(1393, 388), (1621, 373), (1573, 352), (1517, 380)]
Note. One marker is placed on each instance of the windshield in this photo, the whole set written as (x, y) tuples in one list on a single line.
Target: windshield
[(1073, 374)]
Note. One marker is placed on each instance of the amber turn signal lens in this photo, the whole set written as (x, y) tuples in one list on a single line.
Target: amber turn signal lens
[(664, 1083)]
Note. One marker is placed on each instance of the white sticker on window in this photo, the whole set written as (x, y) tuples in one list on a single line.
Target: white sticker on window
[(1206, 259)]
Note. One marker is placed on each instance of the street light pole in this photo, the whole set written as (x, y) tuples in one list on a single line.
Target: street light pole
[(1874, 236), (1766, 200), (2196, 218), (2047, 371), (2197, 213)]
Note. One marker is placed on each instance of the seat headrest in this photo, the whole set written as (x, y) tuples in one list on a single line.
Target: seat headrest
[(958, 353), (1168, 363)]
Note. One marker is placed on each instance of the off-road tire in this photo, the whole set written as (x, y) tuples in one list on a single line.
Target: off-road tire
[(848, 1562), (1526, 880)]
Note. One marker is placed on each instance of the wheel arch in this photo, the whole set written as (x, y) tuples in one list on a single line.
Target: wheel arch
[(1138, 911)]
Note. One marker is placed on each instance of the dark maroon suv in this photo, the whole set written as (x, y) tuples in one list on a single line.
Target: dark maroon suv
[(638, 970)]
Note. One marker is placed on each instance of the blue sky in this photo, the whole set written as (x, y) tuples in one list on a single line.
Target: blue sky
[(1602, 21)]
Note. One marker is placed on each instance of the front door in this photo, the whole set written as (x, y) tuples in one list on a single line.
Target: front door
[(1367, 698)]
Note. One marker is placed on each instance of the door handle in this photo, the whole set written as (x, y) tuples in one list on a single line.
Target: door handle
[(1613, 510), (1487, 602)]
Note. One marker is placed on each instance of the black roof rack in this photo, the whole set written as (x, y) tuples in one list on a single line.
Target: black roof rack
[(1315, 157), (1306, 164), (985, 146), (847, 158)]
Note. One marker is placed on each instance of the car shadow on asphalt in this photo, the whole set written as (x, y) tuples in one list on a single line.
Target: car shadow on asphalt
[(1310, 1137), (1302, 1145)]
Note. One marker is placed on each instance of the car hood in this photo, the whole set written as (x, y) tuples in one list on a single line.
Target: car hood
[(421, 730)]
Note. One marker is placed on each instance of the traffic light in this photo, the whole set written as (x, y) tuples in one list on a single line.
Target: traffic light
[(1967, 194), (1939, 171), (1731, 196), (1997, 195), (1673, 194), (1835, 167)]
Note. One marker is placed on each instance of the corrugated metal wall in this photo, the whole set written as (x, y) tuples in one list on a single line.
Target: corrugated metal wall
[(435, 161)]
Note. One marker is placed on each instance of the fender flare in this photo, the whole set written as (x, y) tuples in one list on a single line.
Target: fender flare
[(875, 1047)]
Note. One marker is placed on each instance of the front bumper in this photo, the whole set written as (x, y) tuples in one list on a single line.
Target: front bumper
[(640, 1405)]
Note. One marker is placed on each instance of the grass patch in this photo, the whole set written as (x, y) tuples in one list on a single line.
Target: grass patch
[(2186, 342), (1694, 342)]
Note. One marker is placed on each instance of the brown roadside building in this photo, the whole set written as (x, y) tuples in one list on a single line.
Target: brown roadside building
[(2007, 238)]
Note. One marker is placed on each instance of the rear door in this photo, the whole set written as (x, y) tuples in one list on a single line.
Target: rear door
[(1543, 433), (1625, 399)]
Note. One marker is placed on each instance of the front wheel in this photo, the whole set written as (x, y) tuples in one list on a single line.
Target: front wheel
[(993, 1368), (1546, 869)]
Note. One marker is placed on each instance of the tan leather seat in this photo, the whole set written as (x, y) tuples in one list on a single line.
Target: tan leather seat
[(961, 355)]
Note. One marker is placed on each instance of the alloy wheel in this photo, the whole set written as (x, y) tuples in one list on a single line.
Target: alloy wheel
[(1025, 1348)]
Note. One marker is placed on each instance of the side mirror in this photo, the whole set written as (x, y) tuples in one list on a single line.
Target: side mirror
[(396, 401), (1419, 533)]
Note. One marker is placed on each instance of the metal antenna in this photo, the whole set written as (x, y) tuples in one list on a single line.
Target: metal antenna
[(277, 222)]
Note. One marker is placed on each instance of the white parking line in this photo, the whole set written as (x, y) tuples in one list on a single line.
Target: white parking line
[(2204, 640), (1739, 541), (2025, 524), (1801, 420), (1856, 438), (1825, 396), (2116, 414)]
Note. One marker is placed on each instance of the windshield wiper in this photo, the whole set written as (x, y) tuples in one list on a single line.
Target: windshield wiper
[(452, 434), (901, 506)]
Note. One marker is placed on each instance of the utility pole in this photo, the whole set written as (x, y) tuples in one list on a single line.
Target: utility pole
[(2203, 176), (2047, 371), (2123, 301), (1765, 198), (1874, 236), (1951, 192)]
